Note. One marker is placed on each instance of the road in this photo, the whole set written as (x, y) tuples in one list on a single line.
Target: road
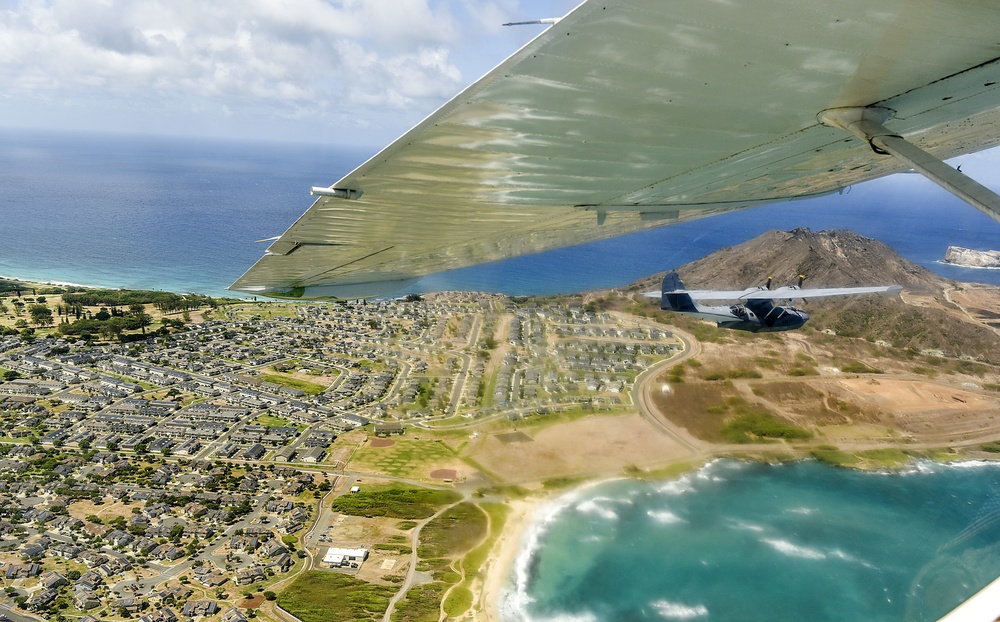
[(645, 384)]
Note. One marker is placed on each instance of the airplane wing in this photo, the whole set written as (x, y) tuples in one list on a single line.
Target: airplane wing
[(794, 292), (708, 294), (626, 115)]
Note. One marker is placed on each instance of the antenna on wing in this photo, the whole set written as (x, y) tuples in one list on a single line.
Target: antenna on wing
[(769, 279), (802, 277), (545, 20)]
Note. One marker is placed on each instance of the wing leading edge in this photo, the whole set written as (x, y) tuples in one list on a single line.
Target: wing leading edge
[(625, 115)]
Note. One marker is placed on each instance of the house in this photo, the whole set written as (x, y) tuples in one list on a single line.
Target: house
[(162, 614), (250, 575), (233, 615), (43, 597), (200, 608), (86, 599), (388, 428), (53, 579)]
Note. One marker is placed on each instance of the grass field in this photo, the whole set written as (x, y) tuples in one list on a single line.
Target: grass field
[(394, 502), (405, 458), (319, 596), (310, 388)]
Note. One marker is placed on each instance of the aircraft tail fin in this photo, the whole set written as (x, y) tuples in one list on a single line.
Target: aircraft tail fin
[(673, 297)]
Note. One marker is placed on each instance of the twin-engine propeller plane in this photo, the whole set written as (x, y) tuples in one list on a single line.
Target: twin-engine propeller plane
[(755, 312)]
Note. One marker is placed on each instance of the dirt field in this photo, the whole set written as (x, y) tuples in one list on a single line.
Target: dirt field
[(353, 531), (107, 512), (589, 446), (927, 410)]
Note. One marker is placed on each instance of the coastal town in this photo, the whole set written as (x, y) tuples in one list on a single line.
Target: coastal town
[(184, 476), (176, 457)]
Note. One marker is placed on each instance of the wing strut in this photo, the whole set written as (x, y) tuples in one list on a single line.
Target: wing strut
[(867, 123)]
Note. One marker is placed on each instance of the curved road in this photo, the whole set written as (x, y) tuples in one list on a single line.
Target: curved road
[(642, 393)]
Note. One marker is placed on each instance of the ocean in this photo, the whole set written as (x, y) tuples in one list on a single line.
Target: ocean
[(776, 543), (183, 215), (734, 541)]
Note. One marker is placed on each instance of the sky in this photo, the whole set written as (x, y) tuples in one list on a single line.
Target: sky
[(356, 72)]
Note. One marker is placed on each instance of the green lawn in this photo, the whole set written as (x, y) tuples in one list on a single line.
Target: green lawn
[(394, 502), (310, 388), (320, 596), (405, 458)]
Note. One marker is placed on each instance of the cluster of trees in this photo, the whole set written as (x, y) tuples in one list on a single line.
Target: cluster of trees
[(164, 301), (109, 324)]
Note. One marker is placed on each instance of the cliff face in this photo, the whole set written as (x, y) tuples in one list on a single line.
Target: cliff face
[(972, 258)]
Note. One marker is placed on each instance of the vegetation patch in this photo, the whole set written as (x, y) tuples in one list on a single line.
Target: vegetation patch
[(422, 603), (394, 502), (870, 460), (318, 596), (831, 455), (455, 531), (458, 601), (993, 447), (731, 374), (407, 457), (857, 367), (753, 426), (311, 388)]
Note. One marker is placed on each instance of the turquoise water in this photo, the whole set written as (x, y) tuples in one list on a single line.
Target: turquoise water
[(746, 541)]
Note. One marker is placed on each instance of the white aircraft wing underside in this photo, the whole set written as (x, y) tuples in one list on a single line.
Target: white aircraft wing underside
[(629, 114)]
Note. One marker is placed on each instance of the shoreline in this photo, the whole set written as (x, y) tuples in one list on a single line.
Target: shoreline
[(528, 512), (506, 550), (525, 513), (57, 283)]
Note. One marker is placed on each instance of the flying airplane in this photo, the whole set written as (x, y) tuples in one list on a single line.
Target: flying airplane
[(755, 312), (629, 114)]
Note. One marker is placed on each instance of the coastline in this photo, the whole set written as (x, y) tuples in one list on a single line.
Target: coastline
[(505, 552), (19, 279), (525, 514)]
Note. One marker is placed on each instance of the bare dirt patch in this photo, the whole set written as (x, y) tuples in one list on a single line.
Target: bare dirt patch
[(382, 442), (588, 446), (107, 511), (253, 603), (514, 437), (444, 474), (926, 409)]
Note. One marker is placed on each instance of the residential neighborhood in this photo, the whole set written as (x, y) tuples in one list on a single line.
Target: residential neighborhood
[(164, 479)]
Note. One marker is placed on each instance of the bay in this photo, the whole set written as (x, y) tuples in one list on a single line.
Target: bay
[(748, 541)]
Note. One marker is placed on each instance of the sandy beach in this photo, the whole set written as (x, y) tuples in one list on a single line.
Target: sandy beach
[(501, 561)]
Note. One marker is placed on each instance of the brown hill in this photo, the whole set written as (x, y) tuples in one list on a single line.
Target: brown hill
[(827, 258), (843, 259)]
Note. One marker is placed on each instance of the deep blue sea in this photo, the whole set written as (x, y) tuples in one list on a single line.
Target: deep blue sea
[(183, 215), (775, 543)]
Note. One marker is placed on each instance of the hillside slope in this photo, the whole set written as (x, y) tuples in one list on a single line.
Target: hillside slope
[(922, 319)]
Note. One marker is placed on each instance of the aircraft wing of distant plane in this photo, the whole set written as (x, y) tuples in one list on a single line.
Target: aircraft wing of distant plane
[(780, 293), (626, 115)]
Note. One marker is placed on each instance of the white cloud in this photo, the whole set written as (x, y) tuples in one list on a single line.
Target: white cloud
[(302, 53), (257, 67)]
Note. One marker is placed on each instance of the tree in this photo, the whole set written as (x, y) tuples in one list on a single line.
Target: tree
[(41, 315), (269, 595), (138, 311), (10, 375)]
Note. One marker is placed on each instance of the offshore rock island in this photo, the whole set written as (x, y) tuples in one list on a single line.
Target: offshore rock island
[(185, 456), (972, 258)]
